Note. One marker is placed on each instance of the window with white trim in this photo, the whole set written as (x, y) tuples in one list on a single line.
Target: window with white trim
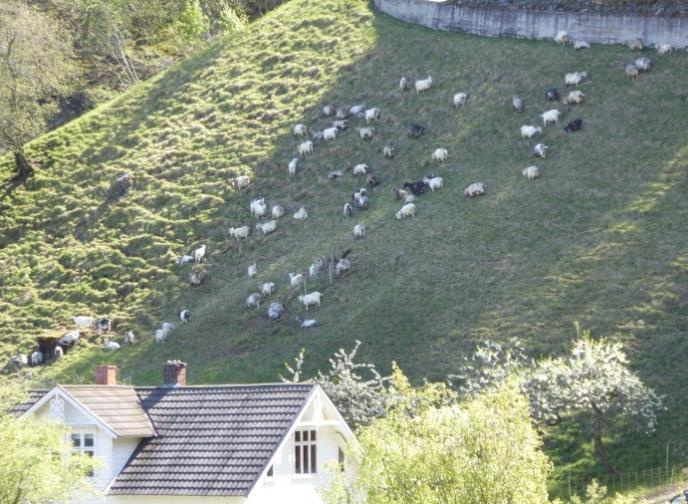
[(83, 442), (305, 452)]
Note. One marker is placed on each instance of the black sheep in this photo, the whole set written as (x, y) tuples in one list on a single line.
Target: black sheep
[(574, 125), (416, 130), (417, 188), (553, 94)]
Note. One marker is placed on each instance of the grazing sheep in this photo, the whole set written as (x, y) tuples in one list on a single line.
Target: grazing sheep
[(123, 184), (293, 164), (242, 181), (366, 133), (635, 44), (531, 173), (417, 188), (562, 38), (440, 155), (434, 183), (83, 322), (342, 266), (342, 113), (130, 338), (19, 361), (275, 310), (199, 254), (540, 150), (197, 275), (252, 270), (574, 125), (58, 353), (475, 189), (277, 211), (372, 180), (160, 335), (312, 299), (69, 339), (552, 94), (240, 232), (362, 202), (575, 97), (388, 151), (361, 169), (580, 44), (305, 148), (664, 48), (410, 198), (300, 130), (460, 99), (295, 279), (253, 300), (399, 194), (575, 78), (416, 130), (267, 227), (306, 323), (423, 85), (359, 194), (341, 124), (517, 103), (348, 210), (315, 268), (301, 214), (357, 110), (550, 117), (167, 326), (104, 325), (404, 84), (359, 230), (318, 136), (372, 114), (258, 207), (185, 259), (330, 133), (643, 64), (408, 210), (184, 315), (336, 174), (110, 345), (328, 110), (528, 132), (36, 358), (631, 71), (267, 289)]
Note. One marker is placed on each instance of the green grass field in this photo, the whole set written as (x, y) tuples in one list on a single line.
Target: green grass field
[(600, 238)]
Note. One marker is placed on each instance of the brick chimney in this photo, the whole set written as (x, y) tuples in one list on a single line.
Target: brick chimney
[(175, 373), (106, 375)]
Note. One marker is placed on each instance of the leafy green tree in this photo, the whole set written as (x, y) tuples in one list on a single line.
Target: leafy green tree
[(597, 494), (193, 24), (34, 69)]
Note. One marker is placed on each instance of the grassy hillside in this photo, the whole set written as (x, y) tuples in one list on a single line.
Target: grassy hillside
[(600, 238)]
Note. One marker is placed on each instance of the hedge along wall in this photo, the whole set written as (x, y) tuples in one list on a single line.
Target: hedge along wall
[(492, 22)]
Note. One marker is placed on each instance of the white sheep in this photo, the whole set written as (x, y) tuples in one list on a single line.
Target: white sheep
[(275, 310), (517, 103), (110, 345), (330, 133), (277, 211), (342, 266), (530, 131), (306, 323), (253, 300), (359, 230), (423, 85), (531, 173), (59, 352), (475, 189), (410, 198), (267, 227), (184, 316), (267, 289), (19, 361), (361, 169), (312, 299), (575, 78), (550, 117), (635, 44), (242, 181), (643, 64), (36, 358), (293, 164), (130, 338), (664, 48), (301, 214), (83, 322), (305, 148), (372, 114), (340, 124), (328, 110), (199, 254), (576, 97), (404, 83), (348, 210), (366, 133), (185, 259), (315, 268), (460, 99), (357, 110), (252, 270), (69, 339), (240, 232), (631, 71), (300, 130), (258, 207), (540, 150), (388, 151), (408, 210), (197, 275), (160, 335), (440, 155), (434, 183), (580, 44), (167, 326), (562, 37), (295, 279)]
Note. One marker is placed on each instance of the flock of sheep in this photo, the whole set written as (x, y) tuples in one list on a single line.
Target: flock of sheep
[(339, 264)]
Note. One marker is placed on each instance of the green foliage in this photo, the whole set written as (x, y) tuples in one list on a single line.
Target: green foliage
[(193, 23), (597, 494)]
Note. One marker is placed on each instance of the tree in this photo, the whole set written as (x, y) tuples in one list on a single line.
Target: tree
[(429, 450), (37, 463), (34, 70), (595, 386)]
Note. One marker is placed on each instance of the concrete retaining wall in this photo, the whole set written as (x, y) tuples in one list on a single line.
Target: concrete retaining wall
[(595, 28)]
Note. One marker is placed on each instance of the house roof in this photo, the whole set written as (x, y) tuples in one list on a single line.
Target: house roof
[(212, 440)]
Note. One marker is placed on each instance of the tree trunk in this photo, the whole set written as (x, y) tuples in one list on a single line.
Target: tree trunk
[(597, 439), (24, 166)]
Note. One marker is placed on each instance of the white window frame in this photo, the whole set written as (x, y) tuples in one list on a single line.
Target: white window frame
[(305, 448), (82, 448)]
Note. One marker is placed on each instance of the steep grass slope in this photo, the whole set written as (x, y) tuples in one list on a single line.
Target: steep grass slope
[(600, 238)]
